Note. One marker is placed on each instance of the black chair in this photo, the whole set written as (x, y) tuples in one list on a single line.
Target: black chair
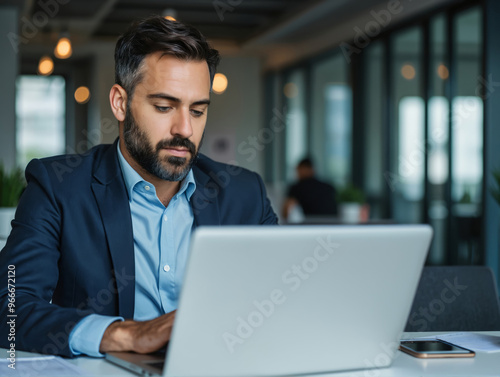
[(455, 298)]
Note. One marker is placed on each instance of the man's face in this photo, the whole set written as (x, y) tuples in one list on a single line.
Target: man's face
[(165, 120)]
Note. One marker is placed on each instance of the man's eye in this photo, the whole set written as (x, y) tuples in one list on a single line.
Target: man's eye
[(162, 109), (197, 113)]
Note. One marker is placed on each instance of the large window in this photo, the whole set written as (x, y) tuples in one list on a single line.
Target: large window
[(467, 137), (409, 128), (40, 112), (317, 111), (432, 159), (296, 137), (406, 176), (374, 129), (438, 119), (331, 119)]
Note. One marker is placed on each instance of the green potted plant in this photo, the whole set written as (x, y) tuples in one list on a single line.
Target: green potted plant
[(351, 200), (11, 186)]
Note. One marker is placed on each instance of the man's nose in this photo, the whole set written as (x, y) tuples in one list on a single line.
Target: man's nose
[(182, 124)]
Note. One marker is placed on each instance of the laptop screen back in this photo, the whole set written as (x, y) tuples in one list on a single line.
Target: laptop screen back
[(290, 300)]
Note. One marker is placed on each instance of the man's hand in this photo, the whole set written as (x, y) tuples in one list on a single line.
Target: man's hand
[(140, 337)]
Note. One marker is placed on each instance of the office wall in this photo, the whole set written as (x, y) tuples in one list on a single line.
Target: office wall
[(101, 119), (234, 116), (8, 74)]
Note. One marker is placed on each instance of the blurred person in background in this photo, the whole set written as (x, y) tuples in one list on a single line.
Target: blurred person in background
[(309, 195)]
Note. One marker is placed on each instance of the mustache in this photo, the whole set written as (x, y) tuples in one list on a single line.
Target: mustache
[(176, 142)]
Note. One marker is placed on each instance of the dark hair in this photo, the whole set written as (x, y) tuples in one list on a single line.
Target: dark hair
[(306, 163), (155, 34)]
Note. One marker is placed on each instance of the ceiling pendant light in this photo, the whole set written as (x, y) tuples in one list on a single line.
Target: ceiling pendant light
[(219, 85), (82, 95), (170, 14), (63, 49), (45, 65)]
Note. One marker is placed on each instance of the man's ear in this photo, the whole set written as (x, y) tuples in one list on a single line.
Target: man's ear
[(118, 102)]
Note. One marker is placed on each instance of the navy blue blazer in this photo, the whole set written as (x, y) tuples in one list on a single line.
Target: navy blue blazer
[(72, 243)]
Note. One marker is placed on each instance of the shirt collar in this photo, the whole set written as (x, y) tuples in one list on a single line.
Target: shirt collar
[(131, 178)]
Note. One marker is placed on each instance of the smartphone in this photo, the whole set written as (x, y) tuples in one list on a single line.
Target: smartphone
[(433, 349)]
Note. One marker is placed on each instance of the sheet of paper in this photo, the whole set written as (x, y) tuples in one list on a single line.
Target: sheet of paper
[(472, 341), (39, 366)]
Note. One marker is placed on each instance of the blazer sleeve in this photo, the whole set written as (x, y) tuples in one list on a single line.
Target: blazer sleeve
[(268, 216), (32, 252)]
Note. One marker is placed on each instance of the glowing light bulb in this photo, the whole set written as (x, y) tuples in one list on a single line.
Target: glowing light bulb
[(82, 95), (408, 72), (170, 14), (443, 72), (45, 66), (219, 85), (63, 49)]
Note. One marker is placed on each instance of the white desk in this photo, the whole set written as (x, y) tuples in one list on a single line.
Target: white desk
[(483, 364)]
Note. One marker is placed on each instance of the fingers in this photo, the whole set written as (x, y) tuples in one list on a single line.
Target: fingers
[(152, 335), (137, 336)]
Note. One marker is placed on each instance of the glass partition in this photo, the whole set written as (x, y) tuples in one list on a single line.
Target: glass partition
[(40, 112), (331, 119), (418, 126), (296, 137), (374, 127), (437, 138), (406, 178), (467, 136)]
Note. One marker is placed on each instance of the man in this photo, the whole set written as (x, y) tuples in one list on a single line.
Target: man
[(312, 195), (99, 243)]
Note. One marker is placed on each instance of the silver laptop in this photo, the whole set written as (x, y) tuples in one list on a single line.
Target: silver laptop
[(270, 301)]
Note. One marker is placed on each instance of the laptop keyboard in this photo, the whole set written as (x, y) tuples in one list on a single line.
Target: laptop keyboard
[(157, 364)]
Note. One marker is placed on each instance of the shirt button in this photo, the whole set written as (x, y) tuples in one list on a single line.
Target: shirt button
[(147, 188), (165, 217), (166, 268)]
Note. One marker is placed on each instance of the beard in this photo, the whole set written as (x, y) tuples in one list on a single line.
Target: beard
[(168, 168)]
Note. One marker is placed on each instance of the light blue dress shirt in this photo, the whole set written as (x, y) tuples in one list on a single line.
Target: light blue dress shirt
[(161, 244)]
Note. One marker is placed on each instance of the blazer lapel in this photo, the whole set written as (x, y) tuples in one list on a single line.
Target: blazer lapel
[(204, 200), (112, 200)]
